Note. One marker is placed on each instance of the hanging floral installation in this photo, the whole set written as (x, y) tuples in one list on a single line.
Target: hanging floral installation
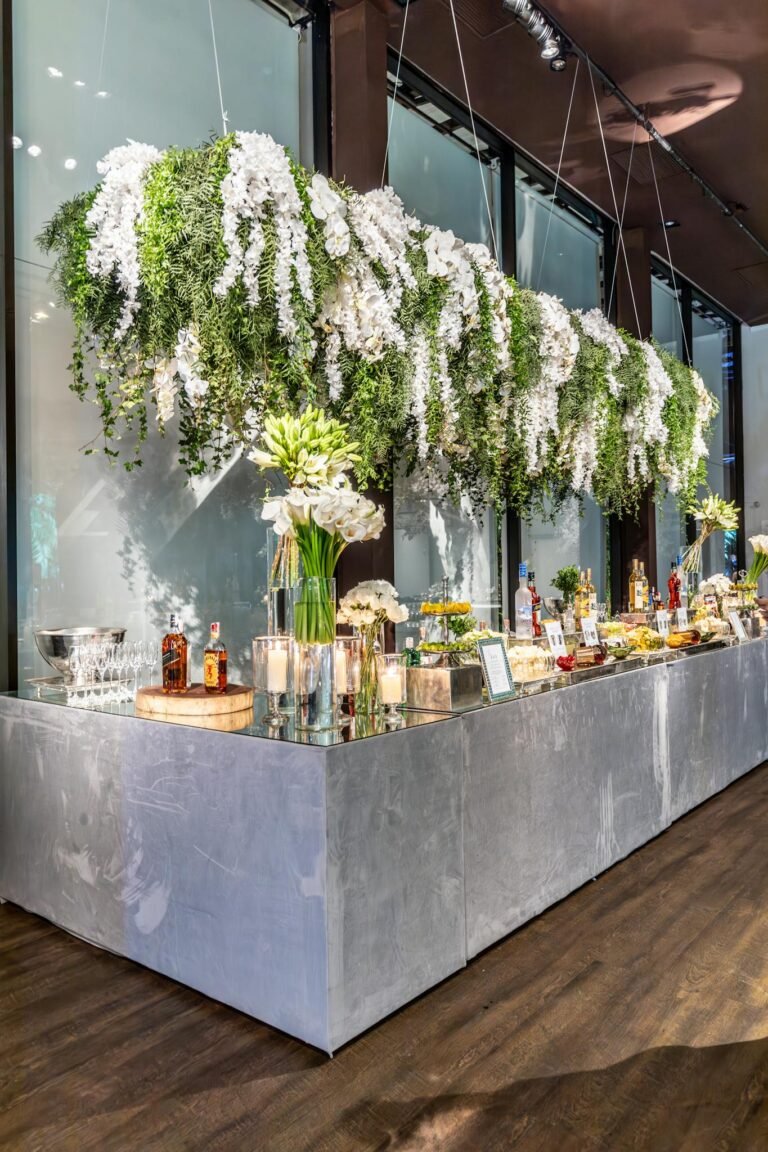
[(222, 284)]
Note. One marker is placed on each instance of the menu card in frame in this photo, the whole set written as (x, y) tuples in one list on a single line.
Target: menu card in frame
[(496, 670)]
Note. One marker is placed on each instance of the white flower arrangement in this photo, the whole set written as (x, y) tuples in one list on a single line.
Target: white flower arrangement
[(413, 306), (370, 604), (759, 544), (113, 216), (259, 178), (716, 585)]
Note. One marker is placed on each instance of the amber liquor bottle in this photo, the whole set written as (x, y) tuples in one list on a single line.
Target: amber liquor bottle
[(215, 663), (175, 655)]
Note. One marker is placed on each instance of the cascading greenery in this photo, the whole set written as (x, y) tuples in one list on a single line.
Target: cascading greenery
[(439, 365)]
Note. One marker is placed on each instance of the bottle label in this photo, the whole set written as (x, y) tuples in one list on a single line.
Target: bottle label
[(211, 669)]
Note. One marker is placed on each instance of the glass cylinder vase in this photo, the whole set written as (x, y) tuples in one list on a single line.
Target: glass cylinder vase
[(314, 623), (367, 695)]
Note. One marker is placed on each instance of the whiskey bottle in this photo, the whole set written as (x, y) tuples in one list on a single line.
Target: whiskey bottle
[(215, 663), (634, 586), (175, 654)]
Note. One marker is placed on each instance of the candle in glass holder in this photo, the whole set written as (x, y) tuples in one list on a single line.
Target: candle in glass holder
[(277, 670), (341, 671), (391, 687)]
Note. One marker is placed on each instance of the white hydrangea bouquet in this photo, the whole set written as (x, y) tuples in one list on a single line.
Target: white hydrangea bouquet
[(320, 511), (367, 607)]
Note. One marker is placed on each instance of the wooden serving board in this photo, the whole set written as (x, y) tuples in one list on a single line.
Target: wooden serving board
[(195, 702)]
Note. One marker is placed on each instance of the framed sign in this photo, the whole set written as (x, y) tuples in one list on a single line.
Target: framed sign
[(738, 625), (555, 638), (662, 622), (682, 617), (589, 630), (496, 671)]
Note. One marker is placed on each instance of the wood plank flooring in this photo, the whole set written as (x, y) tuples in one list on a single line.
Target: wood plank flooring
[(632, 1016)]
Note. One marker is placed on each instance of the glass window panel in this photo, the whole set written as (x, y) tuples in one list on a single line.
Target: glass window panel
[(438, 180), (713, 358), (556, 252), (566, 263), (96, 545), (670, 521)]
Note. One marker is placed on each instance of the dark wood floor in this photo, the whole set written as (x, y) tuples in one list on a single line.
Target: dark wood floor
[(634, 1015)]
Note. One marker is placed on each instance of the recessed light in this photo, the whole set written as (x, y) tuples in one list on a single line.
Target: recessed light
[(17, 142), (34, 149), (79, 83), (40, 316), (51, 304), (102, 95), (70, 163), (671, 223), (55, 73)]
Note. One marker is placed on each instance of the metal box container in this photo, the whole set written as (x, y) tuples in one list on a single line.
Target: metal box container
[(445, 689)]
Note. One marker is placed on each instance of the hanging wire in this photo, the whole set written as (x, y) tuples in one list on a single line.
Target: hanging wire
[(224, 117), (394, 97), (474, 135), (669, 254), (613, 196), (103, 45), (557, 175), (623, 211)]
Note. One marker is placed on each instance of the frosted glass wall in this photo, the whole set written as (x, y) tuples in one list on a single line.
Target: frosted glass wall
[(712, 357), (670, 521), (97, 545), (439, 181), (566, 263)]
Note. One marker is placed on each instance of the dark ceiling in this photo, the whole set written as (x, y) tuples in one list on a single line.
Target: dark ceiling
[(701, 69)]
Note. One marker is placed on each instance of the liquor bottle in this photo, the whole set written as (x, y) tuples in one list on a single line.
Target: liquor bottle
[(673, 584), (215, 663), (536, 604), (634, 578), (175, 655), (656, 601), (523, 607), (683, 578), (591, 594), (644, 588), (411, 656), (578, 608)]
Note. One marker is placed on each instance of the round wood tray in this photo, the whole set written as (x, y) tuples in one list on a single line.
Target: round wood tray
[(195, 702)]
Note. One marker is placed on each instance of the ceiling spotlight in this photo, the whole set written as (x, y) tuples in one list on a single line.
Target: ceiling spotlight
[(671, 223), (17, 142), (70, 164), (79, 83), (550, 49), (559, 64), (102, 95), (55, 73), (34, 149)]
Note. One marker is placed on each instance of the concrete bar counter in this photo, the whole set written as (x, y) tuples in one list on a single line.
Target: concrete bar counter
[(321, 888)]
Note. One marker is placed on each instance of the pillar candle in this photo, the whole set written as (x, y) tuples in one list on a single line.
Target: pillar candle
[(277, 670)]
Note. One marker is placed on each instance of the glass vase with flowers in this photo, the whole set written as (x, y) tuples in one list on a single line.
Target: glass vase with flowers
[(323, 514), (367, 607)]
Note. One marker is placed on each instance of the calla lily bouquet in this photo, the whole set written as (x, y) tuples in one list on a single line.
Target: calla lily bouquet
[(759, 560), (713, 514)]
